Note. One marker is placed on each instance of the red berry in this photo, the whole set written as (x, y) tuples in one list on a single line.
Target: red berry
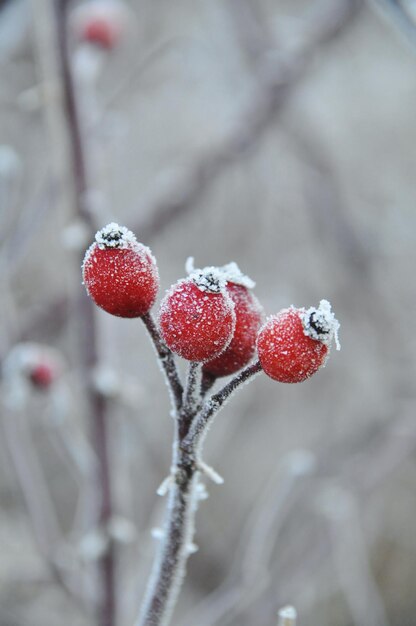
[(101, 23), (197, 317), (294, 344), (119, 273), (101, 32), (249, 315), (42, 375)]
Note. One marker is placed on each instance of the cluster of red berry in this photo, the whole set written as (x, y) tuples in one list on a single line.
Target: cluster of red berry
[(211, 317)]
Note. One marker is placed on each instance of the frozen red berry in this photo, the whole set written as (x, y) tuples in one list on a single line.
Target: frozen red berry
[(197, 317), (100, 23), (294, 344), (119, 273), (249, 315)]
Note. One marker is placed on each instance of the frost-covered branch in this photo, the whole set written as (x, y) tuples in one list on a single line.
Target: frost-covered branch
[(169, 567), (166, 359), (212, 406)]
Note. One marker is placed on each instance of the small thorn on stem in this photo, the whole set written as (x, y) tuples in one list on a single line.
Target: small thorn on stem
[(210, 473), (164, 486)]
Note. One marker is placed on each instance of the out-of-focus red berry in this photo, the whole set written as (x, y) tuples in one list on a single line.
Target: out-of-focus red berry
[(294, 344), (100, 31), (43, 375), (101, 23), (249, 315), (119, 273), (197, 317)]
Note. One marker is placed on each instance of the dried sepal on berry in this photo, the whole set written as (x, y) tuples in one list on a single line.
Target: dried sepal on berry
[(119, 273), (295, 343), (249, 315), (197, 317)]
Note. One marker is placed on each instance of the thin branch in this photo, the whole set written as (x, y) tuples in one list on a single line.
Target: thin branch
[(207, 382), (275, 85), (169, 567), (167, 361), (192, 384), (100, 493), (212, 406), (191, 398), (41, 510), (396, 13)]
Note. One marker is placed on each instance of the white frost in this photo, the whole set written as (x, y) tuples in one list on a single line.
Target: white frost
[(230, 272), (209, 279), (115, 236), (321, 324)]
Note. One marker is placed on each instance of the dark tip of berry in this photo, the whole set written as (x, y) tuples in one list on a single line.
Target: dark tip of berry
[(317, 325), (114, 236), (209, 279)]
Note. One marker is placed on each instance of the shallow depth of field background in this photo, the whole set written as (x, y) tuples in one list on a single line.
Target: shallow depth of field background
[(310, 187)]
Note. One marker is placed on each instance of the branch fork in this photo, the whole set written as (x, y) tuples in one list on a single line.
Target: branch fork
[(193, 414)]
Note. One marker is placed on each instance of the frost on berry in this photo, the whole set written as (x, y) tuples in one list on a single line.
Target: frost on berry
[(114, 236), (320, 324), (249, 315), (209, 279), (119, 273), (197, 317), (294, 344)]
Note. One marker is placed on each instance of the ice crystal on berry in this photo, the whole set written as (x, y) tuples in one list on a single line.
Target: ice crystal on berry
[(233, 274), (209, 279), (114, 236), (321, 324), (230, 272)]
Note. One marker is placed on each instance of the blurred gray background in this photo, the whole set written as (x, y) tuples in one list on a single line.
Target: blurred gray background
[(280, 135)]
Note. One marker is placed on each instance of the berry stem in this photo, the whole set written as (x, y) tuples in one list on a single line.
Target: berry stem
[(191, 398), (208, 381), (211, 407), (169, 567), (167, 361), (192, 384)]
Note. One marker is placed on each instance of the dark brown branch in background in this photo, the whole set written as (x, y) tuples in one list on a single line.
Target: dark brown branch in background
[(273, 90), (97, 404)]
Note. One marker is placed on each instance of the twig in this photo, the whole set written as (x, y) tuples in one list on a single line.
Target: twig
[(211, 407), (274, 87), (396, 13), (41, 510), (169, 567), (166, 360), (98, 406), (191, 398)]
